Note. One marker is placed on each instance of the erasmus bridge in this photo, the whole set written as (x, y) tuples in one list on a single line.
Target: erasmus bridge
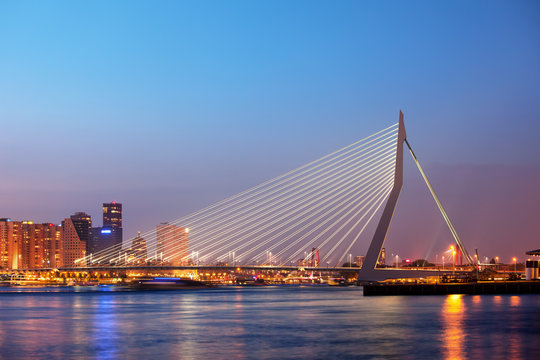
[(310, 218)]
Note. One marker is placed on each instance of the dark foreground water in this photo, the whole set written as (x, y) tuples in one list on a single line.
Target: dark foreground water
[(264, 323)]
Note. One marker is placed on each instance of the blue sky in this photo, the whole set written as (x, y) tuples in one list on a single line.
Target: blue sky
[(169, 106)]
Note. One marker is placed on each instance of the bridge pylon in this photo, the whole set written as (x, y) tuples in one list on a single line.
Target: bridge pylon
[(369, 270)]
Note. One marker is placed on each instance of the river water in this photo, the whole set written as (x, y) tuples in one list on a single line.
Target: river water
[(268, 322)]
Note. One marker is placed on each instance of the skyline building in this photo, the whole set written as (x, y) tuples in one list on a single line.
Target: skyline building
[(112, 214), (138, 247), (382, 257), (27, 245), (32, 245), (82, 223), (359, 260), (111, 233), (10, 243), (171, 243), (76, 237), (103, 237), (52, 245)]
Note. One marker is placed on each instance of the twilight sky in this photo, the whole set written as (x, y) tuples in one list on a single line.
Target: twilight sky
[(170, 106)]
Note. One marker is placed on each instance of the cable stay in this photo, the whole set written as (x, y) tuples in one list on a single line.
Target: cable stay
[(441, 208), (323, 207)]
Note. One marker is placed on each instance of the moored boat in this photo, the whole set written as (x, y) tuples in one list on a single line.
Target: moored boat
[(168, 284)]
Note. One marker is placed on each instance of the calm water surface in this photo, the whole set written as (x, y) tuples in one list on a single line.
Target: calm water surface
[(264, 323)]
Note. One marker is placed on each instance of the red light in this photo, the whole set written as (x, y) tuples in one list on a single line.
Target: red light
[(114, 202), (407, 260), (50, 224)]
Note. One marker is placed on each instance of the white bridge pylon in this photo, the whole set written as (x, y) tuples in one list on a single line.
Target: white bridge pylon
[(369, 271), (323, 206)]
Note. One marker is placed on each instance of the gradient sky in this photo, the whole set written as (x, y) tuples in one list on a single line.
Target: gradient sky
[(170, 106)]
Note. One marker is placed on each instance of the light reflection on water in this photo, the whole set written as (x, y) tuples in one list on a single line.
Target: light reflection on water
[(453, 314), (265, 322)]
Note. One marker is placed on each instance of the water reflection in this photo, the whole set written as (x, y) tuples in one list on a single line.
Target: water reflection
[(453, 336), (270, 323), (515, 300), (515, 339)]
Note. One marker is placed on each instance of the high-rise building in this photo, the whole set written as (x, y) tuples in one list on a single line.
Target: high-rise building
[(10, 243), (32, 245), (76, 238), (52, 245), (112, 214), (26, 245), (102, 238), (138, 247), (112, 219), (110, 233), (171, 243), (82, 223)]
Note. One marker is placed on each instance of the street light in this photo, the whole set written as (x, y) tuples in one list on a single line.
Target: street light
[(397, 257), (515, 264)]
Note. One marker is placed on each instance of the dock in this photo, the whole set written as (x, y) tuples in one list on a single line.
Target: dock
[(474, 288)]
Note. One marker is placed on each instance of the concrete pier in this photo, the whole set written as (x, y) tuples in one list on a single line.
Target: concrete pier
[(479, 288)]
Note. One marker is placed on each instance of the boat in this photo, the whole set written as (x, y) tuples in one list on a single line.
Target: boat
[(337, 282), (168, 284)]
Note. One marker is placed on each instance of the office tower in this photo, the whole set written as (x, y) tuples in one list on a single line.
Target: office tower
[(171, 244), (102, 238), (76, 235), (112, 214), (138, 247), (112, 219), (82, 223)]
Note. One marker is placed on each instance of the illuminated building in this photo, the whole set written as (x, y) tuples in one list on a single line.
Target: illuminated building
[(112, 218), (10, 243), (382, 257), (32, 245), (171, 243), (110, 233), (102, 238), (138, 247), (75, 238), (26, 245), (52, 245), (359, 260), (82, 222)]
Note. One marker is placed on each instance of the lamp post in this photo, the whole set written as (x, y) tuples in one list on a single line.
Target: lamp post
[(443, 262), (397, 257), (496, 263), (515, 264), (350, 260)]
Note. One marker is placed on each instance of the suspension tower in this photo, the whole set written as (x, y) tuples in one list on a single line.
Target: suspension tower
[(369, 270)]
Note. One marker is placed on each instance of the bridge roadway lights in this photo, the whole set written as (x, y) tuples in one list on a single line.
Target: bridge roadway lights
[(199, 267)]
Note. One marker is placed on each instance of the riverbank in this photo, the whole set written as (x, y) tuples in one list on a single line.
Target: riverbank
[(476, 288)]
